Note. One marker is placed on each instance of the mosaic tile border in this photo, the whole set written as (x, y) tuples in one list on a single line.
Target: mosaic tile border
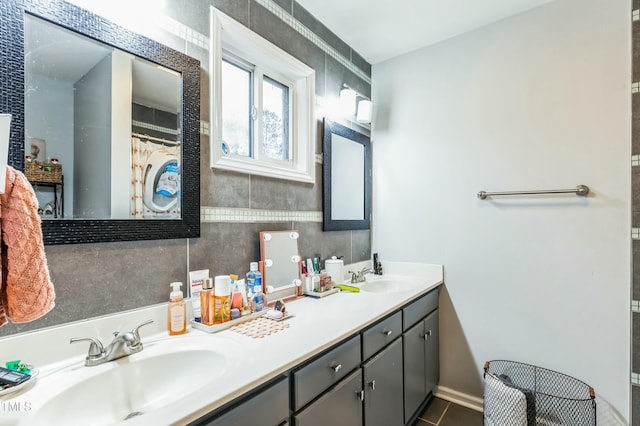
[(635, 378), (236, 215), (191, 36), (635, 87), (288, 19), (635, 160), (635, 15)]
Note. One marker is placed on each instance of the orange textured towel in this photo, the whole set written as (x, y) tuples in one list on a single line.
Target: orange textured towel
[(26, 291)]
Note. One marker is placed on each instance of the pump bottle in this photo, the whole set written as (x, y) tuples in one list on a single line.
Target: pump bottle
[(177, 315)]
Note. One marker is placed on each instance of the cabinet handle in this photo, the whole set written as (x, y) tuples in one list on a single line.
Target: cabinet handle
[(336, 368), (360, 395), (372, 385), (427, 335), (387, 332)]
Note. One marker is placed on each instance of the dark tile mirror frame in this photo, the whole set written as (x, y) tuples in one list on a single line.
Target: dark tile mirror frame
[(12, 86), (329, 129)]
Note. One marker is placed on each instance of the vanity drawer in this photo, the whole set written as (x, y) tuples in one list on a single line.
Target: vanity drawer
[(381, 334), (314, 378), (419, 309)]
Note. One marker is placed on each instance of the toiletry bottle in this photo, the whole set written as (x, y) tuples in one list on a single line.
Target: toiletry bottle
[(177, 318), (236, 294), (257, 303), (222, 297), (254, 278), (206, 302)]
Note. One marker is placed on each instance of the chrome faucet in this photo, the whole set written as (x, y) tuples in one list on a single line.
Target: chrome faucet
[(359, 277), (124, 344)]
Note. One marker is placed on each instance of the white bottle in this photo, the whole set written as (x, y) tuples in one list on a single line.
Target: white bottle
[(177, 314)]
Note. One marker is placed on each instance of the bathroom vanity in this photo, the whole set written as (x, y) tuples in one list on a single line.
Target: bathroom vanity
[(351, 358)]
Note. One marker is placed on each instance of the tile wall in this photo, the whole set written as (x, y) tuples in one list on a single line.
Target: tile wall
[(635, 216), (98, 279)]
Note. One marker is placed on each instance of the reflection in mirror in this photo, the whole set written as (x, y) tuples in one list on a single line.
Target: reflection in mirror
[(280, 260), (172, 123), (111, 122), (346, 178)]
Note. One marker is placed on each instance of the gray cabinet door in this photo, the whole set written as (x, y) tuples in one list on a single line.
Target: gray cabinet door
[(342, 405), (432, 357), (383, 402), (414, 369)]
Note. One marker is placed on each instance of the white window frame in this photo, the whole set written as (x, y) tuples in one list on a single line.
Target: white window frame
[(229, 35)]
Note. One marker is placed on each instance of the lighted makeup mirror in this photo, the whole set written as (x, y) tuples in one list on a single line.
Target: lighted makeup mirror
[(281, 263)]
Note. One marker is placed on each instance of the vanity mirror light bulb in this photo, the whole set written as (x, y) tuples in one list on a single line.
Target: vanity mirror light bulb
[(268, 263), (266, 237), (295, 259), (294, 235)]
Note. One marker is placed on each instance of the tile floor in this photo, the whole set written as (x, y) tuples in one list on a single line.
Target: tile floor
[(444, 413)]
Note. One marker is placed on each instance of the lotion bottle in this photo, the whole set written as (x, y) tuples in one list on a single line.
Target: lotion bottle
[(177, 318), (222, 298)]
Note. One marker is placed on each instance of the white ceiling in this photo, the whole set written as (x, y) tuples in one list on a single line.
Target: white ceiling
[(382, 29)]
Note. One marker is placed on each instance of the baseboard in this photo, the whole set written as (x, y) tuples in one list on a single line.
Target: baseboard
[(448, 394)]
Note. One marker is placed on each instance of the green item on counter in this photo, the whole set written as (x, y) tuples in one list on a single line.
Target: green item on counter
[(18, 366), (345, 287)]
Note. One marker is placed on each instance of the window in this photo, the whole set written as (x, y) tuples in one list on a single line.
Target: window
[(262, 103)]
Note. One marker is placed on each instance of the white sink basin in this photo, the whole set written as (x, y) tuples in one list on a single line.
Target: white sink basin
[(165, 372), (389, 285)]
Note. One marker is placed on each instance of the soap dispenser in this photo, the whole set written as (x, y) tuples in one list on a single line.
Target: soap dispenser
[(177, 315)]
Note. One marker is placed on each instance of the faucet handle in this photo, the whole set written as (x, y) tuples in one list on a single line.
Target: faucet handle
[(96, 350), (136, 335)]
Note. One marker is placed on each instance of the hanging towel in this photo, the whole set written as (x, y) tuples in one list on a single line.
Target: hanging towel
[(26, 291)]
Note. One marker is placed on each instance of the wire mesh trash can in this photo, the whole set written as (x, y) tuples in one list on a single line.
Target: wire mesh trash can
[(517, 394)]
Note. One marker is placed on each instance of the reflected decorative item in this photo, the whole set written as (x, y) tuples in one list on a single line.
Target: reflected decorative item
[(38, 149)]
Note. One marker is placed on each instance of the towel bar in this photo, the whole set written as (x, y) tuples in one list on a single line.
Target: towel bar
[(581, 190)]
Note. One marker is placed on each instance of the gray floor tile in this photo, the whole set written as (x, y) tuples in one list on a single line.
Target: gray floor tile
[(457, 415), (433, 412)]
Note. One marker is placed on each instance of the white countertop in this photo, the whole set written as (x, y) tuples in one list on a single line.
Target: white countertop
[(316, 324)]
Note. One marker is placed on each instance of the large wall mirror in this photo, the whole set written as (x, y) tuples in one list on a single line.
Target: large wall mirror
[(109, 123), (346, 178)]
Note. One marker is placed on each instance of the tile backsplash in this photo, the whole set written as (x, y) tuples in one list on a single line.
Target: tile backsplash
[(98, 279)]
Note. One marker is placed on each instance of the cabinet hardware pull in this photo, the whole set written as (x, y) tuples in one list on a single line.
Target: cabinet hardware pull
[(372, 385), (360, 395), (387, 332), (336, 368), (426, 335)]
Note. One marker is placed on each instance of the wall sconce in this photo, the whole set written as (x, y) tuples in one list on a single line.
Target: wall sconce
[(349, 107), (364, 111), (348, 101)]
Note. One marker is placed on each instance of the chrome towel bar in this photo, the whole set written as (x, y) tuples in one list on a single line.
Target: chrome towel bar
[(581, 190)]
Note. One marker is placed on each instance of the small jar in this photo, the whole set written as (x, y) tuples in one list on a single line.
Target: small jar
[(27, 158), (54, 161)]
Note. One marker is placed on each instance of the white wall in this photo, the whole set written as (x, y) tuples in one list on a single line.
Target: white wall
[(49, 116), (541, 100)]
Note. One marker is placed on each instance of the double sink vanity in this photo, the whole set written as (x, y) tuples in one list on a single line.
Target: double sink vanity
[(352, 357)]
